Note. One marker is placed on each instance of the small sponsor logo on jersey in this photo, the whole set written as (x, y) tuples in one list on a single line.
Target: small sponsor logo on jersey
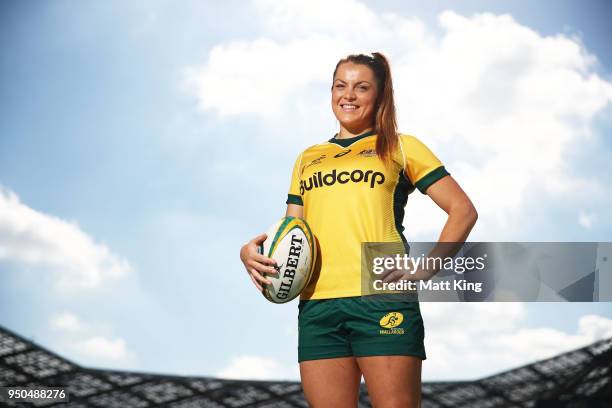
[(342, 153), (367, 153), (316, 161), (389, 323), (319, 179)]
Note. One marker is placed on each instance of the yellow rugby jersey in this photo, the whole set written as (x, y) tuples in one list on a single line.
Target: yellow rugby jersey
[(350, 196)]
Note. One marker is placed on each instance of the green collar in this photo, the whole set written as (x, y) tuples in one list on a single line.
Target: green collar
[(349, 141)]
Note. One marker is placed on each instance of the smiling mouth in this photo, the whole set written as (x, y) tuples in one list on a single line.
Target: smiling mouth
[(349, 107)]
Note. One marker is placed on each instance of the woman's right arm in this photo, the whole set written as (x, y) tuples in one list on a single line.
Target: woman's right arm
[(255, 263), (294, 210)]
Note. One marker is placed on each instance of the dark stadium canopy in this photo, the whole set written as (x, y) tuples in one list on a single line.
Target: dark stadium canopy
[(580, 378)]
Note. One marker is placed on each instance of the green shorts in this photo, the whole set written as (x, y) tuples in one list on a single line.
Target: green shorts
[(359, 326)]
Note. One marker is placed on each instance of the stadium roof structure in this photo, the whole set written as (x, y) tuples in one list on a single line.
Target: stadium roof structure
[(579, 378)]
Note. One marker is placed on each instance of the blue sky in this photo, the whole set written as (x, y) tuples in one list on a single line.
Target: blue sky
[(141, 143)]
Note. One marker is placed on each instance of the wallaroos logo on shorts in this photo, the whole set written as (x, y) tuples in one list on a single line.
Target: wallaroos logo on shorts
[(390, 321)]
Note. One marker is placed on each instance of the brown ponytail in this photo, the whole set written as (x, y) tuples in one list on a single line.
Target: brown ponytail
[(385, 122)]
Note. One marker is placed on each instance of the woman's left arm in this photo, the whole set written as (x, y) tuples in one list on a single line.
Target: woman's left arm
[(462, 215)]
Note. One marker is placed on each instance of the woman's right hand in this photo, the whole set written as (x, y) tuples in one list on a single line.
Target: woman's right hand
[(255, 263)]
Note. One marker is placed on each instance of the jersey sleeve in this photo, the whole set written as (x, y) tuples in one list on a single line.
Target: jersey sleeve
[(421, 166), (295, 196)]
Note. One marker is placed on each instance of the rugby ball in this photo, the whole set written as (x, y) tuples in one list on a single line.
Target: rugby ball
[(291, 244)]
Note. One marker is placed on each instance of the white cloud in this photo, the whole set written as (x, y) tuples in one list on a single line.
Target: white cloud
[(90, 343), (341, 20), (32, 238), (585, 220), (257, 368), (458, 316), (595, 327), (484, 339), (103, 350), (67, 321), (270, 75), (253, 77), (506, 96), (493, 98)]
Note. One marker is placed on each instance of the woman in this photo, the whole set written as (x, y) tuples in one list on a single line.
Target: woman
[(353, 189)]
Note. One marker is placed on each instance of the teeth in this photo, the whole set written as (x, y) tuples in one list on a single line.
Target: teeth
[(349, 107)]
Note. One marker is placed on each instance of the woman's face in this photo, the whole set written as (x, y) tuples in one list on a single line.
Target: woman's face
[(354, 96)]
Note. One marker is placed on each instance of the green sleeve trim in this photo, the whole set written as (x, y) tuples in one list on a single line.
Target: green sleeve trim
[(431, 177), (294, 199)]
